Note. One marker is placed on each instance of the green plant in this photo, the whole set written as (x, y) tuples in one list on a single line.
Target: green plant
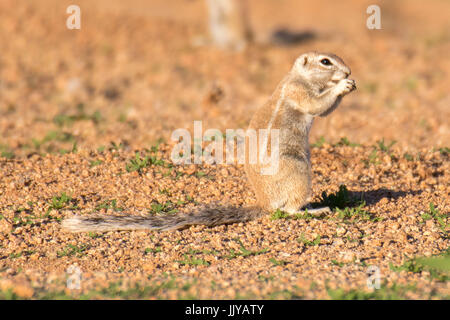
[(94, 235), (373, 158), (158, 162), (115, 147), (23, 221), (101, 149), (264, 278), (286, 294), (167, 208), (307, 216), (438, 266), (59, 202), (73, 150), (109, 204), (319, 143), (244, 252), (94, 163), (346, 206), (63, 119), (8, 294), (191, 259), (165, 191), (278, 214), (306, 242), (153, 250), (393, 292), (155, 289), (444, 151), (340, 199), (380, 146), (345, 142), (71, 250), (434, 213), (15, 255), (137, 291), (200, 174), (356, 213), (6, 152), (385, 148), (59, 136), (337, 263), (138, 163), (408, 157), (278, 262)]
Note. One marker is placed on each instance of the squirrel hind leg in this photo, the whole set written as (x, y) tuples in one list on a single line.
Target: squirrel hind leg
[(317, 212)]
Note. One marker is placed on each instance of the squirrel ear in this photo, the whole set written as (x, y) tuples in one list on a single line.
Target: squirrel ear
[(301, 61)]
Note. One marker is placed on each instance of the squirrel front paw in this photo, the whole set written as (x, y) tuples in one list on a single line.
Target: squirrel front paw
[(345, 86)]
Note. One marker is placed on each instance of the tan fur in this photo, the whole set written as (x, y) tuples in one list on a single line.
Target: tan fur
[(309, 90)]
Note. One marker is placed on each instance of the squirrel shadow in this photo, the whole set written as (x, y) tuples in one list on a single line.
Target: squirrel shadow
[(346, 198), (285, 37), (374, 196)]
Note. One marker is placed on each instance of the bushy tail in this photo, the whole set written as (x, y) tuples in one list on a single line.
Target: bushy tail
[(204, 216)]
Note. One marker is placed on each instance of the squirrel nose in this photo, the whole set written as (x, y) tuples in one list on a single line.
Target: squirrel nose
[(347, 72)]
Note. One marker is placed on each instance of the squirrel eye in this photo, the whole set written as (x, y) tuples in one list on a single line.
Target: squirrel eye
[(326, 62)]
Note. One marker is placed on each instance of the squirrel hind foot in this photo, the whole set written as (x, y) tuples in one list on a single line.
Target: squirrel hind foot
[(316, 212)]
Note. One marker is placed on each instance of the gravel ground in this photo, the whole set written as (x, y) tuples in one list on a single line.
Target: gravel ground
[(76, 106)]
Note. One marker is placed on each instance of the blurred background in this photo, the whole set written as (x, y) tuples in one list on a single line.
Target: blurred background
[(137, 70)]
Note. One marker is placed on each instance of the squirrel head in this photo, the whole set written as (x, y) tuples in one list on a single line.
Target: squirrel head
[(321, 70)]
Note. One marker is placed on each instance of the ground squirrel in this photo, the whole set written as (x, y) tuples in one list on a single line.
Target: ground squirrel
[(314, 87)]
